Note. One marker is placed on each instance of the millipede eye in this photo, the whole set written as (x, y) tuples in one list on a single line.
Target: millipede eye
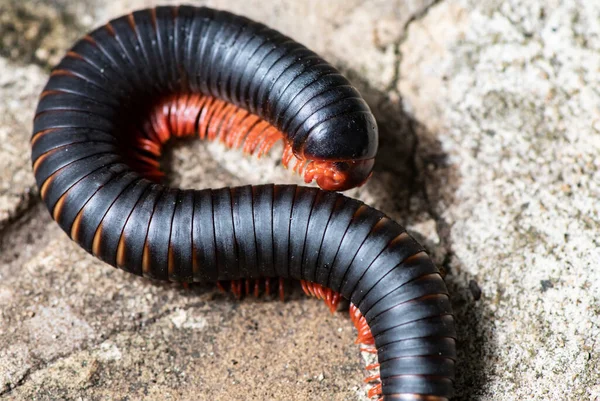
[(341, 166)]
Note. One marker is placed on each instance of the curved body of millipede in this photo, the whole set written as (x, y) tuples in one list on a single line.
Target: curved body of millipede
[(131, 85)]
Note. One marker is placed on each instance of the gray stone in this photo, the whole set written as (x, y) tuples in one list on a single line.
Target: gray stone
[(35, 31), (19, 89), (507, 94)]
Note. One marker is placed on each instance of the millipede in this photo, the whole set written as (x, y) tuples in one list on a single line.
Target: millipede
[(127, 88)]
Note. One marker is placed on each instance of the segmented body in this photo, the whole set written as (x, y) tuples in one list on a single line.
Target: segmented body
[(128, 87)]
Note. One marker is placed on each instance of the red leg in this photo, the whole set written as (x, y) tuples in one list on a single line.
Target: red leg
[(364, 332), (331, 298)]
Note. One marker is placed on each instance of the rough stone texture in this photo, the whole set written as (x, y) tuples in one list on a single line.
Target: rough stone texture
[(489, 115), (507, 96), (36, 32), (19, 87)]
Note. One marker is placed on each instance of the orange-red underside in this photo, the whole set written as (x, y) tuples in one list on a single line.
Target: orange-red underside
[(189, 115), (213, 119)]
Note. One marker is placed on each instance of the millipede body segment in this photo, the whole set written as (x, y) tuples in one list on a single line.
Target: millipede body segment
[(129, 86)]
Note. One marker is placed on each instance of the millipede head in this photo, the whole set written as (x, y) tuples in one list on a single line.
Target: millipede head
[(341, 149), (339, 175)]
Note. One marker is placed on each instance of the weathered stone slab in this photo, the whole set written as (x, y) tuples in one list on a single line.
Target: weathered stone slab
[(507, 94)]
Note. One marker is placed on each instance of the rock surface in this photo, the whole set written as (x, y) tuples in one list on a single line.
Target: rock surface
[(509, 95), (489, 115)]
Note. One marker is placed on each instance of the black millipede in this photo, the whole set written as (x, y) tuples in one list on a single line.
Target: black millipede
[(128, 87)]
